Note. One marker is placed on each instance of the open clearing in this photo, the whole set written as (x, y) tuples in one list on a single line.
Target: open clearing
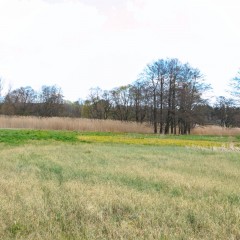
[(67, 185)]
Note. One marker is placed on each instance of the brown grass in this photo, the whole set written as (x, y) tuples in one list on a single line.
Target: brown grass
[(77, 124), (83, 124), (215, 130)]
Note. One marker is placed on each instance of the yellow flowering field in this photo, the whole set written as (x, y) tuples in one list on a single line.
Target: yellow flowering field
[(126, 139)]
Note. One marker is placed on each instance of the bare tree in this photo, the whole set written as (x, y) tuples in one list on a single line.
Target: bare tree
[(150, 77), (139, 93), (20, 101), (98, 103), (51, 100), (173, 75), (225, 111), (122, 102), (175, 90)]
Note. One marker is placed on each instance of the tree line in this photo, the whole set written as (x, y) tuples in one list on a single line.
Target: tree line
[(169, 94)]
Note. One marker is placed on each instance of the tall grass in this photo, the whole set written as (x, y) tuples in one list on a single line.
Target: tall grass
[(73, 124), (95, 125), (215, 130)]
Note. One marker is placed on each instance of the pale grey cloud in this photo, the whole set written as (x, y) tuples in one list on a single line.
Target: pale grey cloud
[(79, 44)]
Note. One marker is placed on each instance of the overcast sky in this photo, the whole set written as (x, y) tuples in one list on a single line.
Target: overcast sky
[(79, 44)]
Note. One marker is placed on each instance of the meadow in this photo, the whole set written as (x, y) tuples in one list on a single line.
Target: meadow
[(96, 185)]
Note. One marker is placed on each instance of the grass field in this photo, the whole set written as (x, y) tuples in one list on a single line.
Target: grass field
[(70, 185)]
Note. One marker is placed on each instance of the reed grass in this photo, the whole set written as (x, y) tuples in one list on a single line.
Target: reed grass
[(72, 124), (95, 125), (215, 130)]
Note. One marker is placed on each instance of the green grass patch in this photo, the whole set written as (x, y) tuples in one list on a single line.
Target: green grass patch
[(16, 137)]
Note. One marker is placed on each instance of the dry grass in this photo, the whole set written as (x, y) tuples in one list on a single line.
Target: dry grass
[(65, 191), (83, 124), (73, 124), (215, 130)]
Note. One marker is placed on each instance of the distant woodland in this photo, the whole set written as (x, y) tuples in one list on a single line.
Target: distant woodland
[(171, 95)]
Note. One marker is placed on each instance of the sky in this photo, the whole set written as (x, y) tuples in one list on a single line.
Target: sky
[(81, 44)]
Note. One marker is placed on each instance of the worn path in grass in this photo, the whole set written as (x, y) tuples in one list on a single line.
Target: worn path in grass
[(55, 186)]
